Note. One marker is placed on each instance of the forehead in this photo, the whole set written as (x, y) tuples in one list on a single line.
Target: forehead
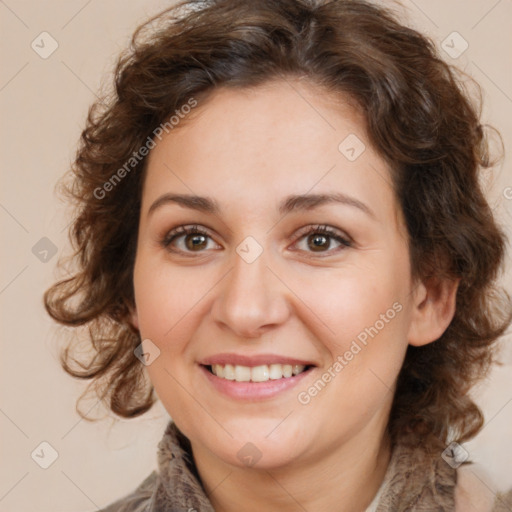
[(283, 117), (254, 145)]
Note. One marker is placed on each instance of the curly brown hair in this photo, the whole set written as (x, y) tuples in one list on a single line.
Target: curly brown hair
[(420, 118)]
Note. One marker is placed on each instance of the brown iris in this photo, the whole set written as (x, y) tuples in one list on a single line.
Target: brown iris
[(195, 241), (318, 242)]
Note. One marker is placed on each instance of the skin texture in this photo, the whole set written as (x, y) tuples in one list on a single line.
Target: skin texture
[(248, 150)]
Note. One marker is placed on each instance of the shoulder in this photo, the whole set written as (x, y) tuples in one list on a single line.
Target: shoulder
[(474, 493), (138, 500)]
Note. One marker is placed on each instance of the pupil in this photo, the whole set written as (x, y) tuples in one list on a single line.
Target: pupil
[(319, 241), (195, 241)]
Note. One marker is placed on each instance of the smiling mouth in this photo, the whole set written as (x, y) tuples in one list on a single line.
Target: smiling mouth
[(261, 373)]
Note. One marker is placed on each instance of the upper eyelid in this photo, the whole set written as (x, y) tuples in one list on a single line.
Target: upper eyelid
[(184, 229), (324, 228), (187, 229)]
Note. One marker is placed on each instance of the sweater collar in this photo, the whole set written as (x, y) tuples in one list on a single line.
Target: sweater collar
[(414, 481), (179, 486)]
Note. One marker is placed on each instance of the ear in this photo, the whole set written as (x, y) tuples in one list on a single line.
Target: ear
[(433, 309)]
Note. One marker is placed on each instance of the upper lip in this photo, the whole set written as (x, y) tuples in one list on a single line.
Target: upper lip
[(254, 360)]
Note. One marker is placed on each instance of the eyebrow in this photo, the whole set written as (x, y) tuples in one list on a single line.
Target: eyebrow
[(203, 204), (310, 201), (289, 204)]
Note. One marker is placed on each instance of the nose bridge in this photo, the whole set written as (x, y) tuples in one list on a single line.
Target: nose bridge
[(251, 299)]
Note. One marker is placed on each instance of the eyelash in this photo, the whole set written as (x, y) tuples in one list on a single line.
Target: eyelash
[(322, 229)]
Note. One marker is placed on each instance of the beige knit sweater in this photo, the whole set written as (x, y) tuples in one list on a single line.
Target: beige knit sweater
[(414, 482)]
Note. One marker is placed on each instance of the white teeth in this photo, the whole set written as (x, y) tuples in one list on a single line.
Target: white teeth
[(260, 373), (276, 371), (229, 372), (242, 373), (287, 370), (297, 368)]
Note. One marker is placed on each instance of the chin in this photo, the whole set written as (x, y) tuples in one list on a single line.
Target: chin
[(262, 443)]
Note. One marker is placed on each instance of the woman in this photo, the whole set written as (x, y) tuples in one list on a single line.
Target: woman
[(280, 224)]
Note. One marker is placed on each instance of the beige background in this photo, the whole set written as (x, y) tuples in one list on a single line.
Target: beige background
[(43, 103)]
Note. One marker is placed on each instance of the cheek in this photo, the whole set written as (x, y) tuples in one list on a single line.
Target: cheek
[(364, 324), (348, 302), (169, 303), (367, 318), (167, 298)]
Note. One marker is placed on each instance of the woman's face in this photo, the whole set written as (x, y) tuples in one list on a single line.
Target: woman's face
[(296, 255)]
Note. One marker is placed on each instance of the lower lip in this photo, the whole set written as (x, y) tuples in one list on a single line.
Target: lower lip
[(253, 391)]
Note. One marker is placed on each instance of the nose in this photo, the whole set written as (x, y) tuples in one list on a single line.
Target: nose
[(251, 299)]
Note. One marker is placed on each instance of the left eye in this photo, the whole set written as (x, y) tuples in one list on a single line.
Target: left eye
[(321, 238)]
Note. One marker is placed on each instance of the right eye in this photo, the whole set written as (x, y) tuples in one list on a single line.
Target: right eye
[(189, 239)]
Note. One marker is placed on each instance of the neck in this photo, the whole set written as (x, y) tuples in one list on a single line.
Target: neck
[(346, 477)]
